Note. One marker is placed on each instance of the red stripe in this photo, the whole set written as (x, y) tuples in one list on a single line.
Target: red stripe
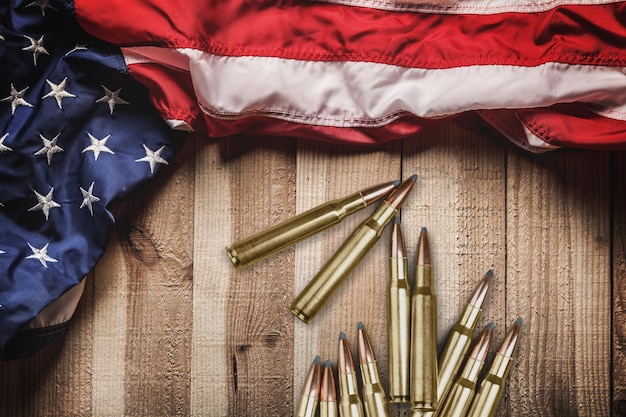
[(575, 125), (327, 32)]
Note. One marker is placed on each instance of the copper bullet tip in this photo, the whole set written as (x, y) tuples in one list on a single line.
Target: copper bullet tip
[(480, 292), (507, 348), (366, 353), (328, 392), (397, 246), (345, 364), (376, 192), (396, 183), (482, 345), (312, 382), (423, 249), (400, 194)]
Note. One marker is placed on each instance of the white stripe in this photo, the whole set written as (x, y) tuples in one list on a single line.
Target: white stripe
[(466, 6), (365, 94)]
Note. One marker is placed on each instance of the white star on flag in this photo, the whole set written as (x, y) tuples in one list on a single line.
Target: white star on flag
[(46, 203), (153, 157), (17, 99), (88, 198), (41, 255), (36, 47), (3, 147), (58, 92), (111, 98), (49, 147), (98, 145)]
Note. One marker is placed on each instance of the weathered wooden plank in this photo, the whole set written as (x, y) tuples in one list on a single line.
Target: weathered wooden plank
[(619, 285), (109, 330), (211, 271), (259, 329), (154, 238), (558, 281)]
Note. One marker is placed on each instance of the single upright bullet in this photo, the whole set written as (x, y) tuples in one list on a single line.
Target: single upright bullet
[(350, 404), (462, 391), (374, 398), (309, 397), (328, 393), (321, 288), (460, 339), (252, 249), (398, 318), (424, 368), (491, 390)]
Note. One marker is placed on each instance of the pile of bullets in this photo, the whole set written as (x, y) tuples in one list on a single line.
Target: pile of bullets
[(434, 385)]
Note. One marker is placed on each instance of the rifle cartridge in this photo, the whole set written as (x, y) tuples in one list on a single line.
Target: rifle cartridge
[(263, 244), (462, 391), (491, 390), (374, 397), (309, 397), (328, 393), (398, 318), (350, 404), (460, 338), (424, 367)]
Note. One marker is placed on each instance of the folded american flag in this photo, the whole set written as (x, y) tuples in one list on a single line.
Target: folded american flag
[(78, 133)]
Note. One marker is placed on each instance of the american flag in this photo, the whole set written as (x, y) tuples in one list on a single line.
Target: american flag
[(76, 134)]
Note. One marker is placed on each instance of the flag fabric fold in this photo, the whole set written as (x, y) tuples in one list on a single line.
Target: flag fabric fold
[(77, 133), (368, 71)]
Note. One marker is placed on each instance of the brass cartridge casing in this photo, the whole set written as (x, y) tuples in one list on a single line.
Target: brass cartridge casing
[(350, 404), (424, 366), (254, 248), (322, 287), (491, 390), (309, 397), (398, 319), (461, 393), (374, 397)]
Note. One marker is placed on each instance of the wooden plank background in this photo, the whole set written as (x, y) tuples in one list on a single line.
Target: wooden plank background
[(167, 327)]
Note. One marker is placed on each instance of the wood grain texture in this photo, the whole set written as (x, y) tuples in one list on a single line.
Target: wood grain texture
[(259, 329), (157, 239), (559, 282), (619, 285), (168, 327)]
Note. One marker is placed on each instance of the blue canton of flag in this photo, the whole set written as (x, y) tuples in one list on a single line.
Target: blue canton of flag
[(77, 133)]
